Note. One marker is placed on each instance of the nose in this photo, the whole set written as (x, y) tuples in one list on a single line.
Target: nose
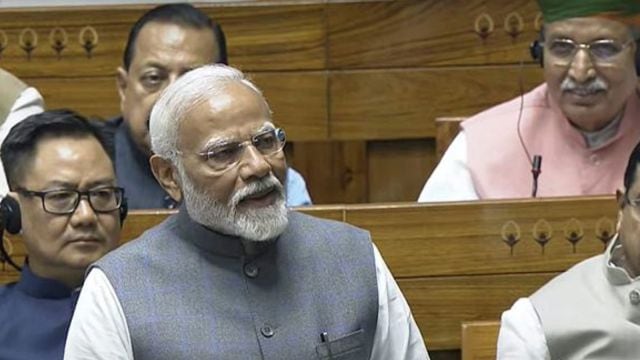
[(254, 164), (84, 214), (581, 68)]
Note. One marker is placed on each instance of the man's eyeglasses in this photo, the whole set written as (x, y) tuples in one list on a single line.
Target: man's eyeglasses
[(225, 156), (64, 202), (603, 51)]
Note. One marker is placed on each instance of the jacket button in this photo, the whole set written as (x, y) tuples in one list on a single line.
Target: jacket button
[(634, 297), (267, 331), (251, 270)]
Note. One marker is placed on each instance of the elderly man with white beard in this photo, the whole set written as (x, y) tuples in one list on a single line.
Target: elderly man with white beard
[(235, 275)]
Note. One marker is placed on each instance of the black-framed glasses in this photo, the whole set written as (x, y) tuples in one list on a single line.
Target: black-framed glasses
[(603, 51), (224, 156), (64, 201)]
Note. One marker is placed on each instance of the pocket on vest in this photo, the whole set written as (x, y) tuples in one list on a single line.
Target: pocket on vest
[(348, 347)]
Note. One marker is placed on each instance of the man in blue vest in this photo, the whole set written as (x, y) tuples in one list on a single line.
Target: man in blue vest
[(235, 275), (65, 202), (163, 44)]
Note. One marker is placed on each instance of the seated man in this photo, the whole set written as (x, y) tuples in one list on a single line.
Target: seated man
[(591, 311), (241, 277), (163, 44), (17, 101), (65, 202), (583, 121)]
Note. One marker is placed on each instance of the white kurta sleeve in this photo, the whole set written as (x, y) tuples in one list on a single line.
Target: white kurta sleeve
[(451, 179), (397, 335), (521, 335), (98, 330)]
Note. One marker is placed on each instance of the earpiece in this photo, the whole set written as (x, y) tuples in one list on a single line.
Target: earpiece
[(124, 210), (537, 52), (11, 217)]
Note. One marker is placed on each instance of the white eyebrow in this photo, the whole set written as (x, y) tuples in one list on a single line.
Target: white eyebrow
[(218, 141)]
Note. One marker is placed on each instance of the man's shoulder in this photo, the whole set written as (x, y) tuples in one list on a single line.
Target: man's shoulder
[(135, 249), (309, 222), (580, 273), (6, 290)]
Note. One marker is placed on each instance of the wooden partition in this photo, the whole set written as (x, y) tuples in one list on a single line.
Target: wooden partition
[(356, 84), (453, 261), (479, 340)]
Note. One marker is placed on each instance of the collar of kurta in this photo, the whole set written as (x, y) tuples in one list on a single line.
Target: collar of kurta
[(615, 130), (613, 264), (42, 288), (215, 242)]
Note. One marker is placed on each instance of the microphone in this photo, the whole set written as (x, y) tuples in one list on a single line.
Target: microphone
[(536, 161), (536, 166)]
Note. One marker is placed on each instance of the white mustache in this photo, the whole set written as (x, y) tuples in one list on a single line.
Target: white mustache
[(266, 183), (591, 87)]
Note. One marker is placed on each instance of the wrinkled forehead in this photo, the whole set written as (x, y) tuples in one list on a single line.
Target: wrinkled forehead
[(238, 134), (588, 29), (234, 111)]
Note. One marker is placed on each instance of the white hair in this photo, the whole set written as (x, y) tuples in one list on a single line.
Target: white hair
[(183, 95)]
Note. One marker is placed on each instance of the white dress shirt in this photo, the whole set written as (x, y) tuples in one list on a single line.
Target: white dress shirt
[(99, 328), (451, 179)]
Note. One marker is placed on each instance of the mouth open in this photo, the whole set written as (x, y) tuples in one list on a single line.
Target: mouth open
[(261, 198)]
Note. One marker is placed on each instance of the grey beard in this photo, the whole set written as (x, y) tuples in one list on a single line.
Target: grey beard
[(254, 224)]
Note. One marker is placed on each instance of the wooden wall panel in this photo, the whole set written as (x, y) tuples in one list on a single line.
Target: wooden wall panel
[(298, 101), (416, 33), (91, 96), (404, 104), (336, 172), (260, 38), (409, 160), (440, 305)]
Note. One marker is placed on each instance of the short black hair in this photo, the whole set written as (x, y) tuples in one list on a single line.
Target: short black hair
[(19, 147), (182, 14), (632, 165)]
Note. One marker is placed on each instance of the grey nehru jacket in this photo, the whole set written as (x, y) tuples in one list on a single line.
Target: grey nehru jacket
[(191, 293), (592, 311)]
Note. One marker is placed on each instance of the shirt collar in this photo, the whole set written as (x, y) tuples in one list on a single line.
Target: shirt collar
[(39, 287), (595, 139), (613, 261)]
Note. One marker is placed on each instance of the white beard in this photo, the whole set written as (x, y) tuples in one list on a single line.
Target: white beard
[(254, 224)]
